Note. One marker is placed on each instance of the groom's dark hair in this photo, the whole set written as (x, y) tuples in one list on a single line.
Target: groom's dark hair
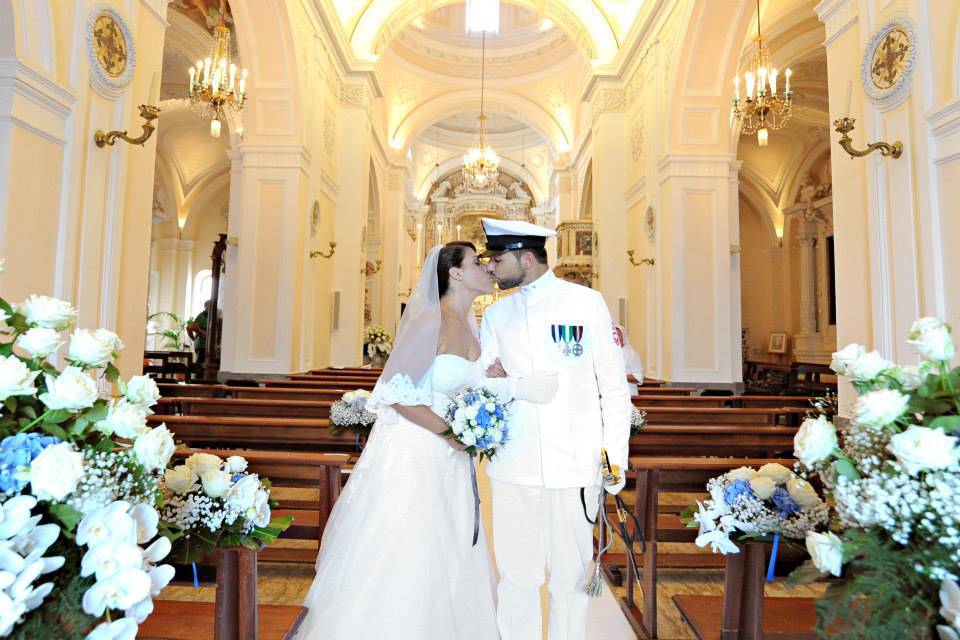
[(451, 256)]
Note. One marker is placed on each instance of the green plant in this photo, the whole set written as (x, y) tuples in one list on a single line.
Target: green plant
[(176, 336)]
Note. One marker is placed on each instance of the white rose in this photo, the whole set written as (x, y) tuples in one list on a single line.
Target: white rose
[(842, 359), (54, 473), (40, 342), (880, 408), (72, 390), (911, 376), (468, 438), (181, 479), (814, 441), (471, 412), (867, 367), (215, 482), (50, 313), (16, 379), (124, 420), (776, 472), (803, 492), (826, 551), (155, 448), (741, 473), (931, 337), (919, 448), (763, 487), (142, 391), (244, 492), (94, 348), (236, 464), (200, 462)]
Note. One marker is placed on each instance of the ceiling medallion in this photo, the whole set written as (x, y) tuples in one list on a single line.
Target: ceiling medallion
[(763, 109)]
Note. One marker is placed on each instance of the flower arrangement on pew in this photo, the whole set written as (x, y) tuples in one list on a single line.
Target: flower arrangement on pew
[(894, 476), (350, 412), (638, 419), (212, 503), (79, 527), (748, 503), (377, 343)]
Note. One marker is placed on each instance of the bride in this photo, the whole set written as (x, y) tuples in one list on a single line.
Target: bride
[(397, 559)]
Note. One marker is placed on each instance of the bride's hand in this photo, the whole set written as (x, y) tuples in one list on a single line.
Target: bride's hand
[(456, 444), (496, 370)]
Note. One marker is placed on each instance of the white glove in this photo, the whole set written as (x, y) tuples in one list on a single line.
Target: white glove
[(539, 387), (614, 489)]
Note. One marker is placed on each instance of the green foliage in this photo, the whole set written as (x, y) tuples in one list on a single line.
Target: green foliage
[(199, 544), (883, 597), (175, 336)]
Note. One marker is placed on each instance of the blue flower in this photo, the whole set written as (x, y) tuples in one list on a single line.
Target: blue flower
[(16, 454), (471, 398), (498, 412), (736, 489), (483, 418), (785, 503)]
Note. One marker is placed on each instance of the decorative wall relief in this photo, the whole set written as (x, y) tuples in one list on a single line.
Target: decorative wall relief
[(887, 68), (111, 50)]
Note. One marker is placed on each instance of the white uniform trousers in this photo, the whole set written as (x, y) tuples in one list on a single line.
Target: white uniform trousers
[(538, 530)]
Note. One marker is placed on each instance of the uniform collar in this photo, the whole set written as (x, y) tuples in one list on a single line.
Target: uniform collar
[(540, 284)]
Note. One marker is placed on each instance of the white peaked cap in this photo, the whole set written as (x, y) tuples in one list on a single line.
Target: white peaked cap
[(506, 235)]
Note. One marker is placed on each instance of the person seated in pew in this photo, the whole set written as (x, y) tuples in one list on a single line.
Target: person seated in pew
[(630, 358)]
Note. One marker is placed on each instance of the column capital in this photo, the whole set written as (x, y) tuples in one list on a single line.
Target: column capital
[(837, 16)]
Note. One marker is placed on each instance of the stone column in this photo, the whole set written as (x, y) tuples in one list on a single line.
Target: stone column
[(808, 280)]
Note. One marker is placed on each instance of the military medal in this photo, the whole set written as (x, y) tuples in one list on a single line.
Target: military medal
[(568, 338)]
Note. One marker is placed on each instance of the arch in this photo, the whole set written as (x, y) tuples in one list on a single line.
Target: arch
[(510, 167), (761, 203), (582, 20), (427, 113)]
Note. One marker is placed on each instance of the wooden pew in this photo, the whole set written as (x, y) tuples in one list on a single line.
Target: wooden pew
[(282, 393), (173, 390), (712, 440), (283, 434), (246, 407), (307, 384), (320, 472), (664, 391), (722, 401), (723, 415), (654, 476)]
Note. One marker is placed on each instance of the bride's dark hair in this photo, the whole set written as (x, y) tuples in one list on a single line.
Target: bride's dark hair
[(451, 256)]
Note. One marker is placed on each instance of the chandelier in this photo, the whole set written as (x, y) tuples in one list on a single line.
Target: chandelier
[(764, 108), (481, 166), (214, 83)]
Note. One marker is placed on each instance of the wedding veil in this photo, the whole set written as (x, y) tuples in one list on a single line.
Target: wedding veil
[(403, 380)]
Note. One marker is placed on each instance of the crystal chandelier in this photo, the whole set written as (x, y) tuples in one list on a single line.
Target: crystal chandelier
[(764, 108), (214, 83), (481, 166)]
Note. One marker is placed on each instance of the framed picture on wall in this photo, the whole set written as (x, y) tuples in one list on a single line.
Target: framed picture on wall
[(778, 343), (584, 243)]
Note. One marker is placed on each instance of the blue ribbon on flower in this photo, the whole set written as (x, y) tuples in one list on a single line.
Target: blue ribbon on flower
[(196, 580), (476, 501), (773, 557)]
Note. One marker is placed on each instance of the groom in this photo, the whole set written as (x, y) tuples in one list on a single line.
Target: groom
[(553, 458)]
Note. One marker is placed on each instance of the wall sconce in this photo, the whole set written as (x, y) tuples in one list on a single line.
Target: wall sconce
[(648, 261), (148, 112), (369, 269), (845, 126), (320, 254)]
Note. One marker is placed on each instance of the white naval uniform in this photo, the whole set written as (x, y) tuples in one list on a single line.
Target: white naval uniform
[(553, 449)]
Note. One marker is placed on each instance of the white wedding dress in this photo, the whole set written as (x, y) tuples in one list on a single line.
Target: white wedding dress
[(397, 559)]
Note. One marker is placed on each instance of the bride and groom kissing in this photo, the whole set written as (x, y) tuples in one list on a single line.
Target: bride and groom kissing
[(396, 560)]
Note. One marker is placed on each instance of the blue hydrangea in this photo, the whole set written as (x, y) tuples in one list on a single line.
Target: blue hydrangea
[(483, 418), (471, 398), (736, 489), (786, 505), (498, 412), (16, 454)]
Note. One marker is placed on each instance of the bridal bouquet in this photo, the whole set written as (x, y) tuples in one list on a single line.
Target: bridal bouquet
[(754, 503), (377, 343), (79, 527), (477, 419), (350, 412), (214, 503), (893, 473)]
